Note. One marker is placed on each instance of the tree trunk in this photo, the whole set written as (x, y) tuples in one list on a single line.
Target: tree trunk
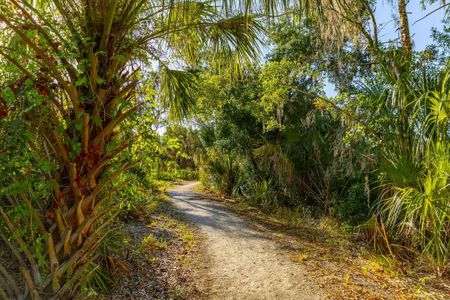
[(404, 29), (90, 102)]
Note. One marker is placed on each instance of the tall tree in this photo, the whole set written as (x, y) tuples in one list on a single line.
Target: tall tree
[(84, 61), (404, 28)]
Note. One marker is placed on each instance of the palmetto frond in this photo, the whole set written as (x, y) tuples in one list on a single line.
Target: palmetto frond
[(272, 156), (420, 211), (416, 191), (87, 54), (176, 92), (196, 33), (438, 102)]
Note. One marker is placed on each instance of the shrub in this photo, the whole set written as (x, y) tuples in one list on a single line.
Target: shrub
[(354, 207), (186, 174)]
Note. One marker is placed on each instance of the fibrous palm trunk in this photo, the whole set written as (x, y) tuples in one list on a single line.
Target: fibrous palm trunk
[(93, 94), (404, 29)]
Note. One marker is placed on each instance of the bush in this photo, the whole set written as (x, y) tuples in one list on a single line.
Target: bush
[(354, 207), (186, 174), (183, 174), (263, 196), (166, 176)]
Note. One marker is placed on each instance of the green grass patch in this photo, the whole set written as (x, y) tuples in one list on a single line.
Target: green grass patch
[(153, 242)]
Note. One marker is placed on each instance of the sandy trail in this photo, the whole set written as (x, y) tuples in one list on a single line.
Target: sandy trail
[(245, 263)]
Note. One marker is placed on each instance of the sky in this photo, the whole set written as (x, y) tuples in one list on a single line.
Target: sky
[(421, 31)]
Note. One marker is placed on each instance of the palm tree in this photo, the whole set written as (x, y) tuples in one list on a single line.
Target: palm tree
[(84, 60), (404, 28), (416, 191)]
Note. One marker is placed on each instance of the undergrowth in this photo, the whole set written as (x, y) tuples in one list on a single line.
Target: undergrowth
[(164, 250), (337, 256)]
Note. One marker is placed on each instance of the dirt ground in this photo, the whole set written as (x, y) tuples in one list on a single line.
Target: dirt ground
[(245, 263), (192, 245), (252, 255)]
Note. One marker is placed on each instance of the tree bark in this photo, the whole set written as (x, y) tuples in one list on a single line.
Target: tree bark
[(404, 29)]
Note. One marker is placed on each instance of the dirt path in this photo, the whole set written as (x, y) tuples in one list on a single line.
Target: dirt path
[(245, 263)]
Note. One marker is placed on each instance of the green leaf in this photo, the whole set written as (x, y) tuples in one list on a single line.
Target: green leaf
[(100, 80), (46, 166), (8, 95), (78, 125), (97, 121), (81, 82)]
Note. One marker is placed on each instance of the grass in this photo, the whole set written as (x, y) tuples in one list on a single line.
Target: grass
[(164, 252), (152, 242), (166, 218), (187, 236), (162, 185), (182, 233)]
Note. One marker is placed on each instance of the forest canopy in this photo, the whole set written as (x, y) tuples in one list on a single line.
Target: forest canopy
[(101, 100)]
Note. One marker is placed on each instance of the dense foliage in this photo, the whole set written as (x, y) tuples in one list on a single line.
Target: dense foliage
[(81, 82), (101, 99), (375, 155)]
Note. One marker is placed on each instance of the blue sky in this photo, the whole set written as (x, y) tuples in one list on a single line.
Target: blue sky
[(385, 12), (421, 31)]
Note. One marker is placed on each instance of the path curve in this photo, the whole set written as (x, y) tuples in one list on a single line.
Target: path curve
[(245, 263)]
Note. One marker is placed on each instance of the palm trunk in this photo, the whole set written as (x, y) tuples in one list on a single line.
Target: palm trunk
[(74, 221), (406, 45), (404, 29)]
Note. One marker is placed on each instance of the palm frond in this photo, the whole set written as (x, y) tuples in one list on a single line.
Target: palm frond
[(196, 32), (271, 156), (176, 92), (234, 40), (439, 104)]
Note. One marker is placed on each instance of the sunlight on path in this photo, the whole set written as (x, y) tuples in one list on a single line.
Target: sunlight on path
[(245, 263)]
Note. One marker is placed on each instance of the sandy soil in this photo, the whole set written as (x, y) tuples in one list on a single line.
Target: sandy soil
[(245, 263)]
